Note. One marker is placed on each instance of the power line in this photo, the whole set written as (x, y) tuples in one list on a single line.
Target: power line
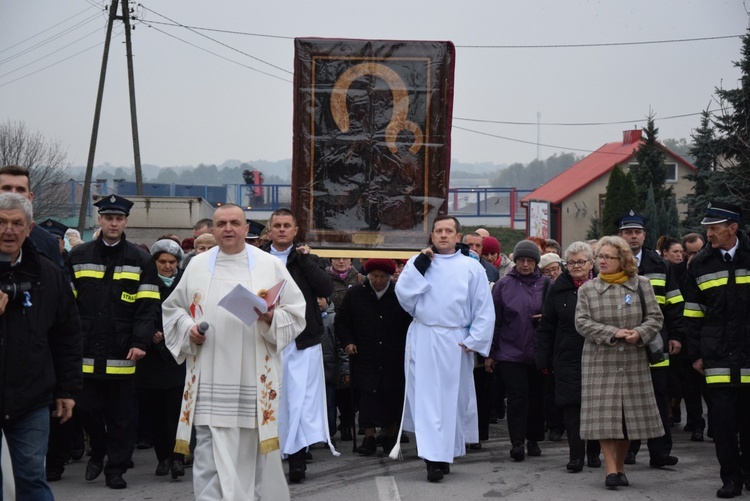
[(229, 32), (50, 39), (51, 65), (609, 44), (218, 55), (43, 31), (219, 42), (49, 54), (572, 124), (525, 142)]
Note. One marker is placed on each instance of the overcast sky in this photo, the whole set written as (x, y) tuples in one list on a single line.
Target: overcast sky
[(196, 107)]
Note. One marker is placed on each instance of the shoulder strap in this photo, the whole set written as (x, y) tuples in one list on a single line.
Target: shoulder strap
[(642, 298)]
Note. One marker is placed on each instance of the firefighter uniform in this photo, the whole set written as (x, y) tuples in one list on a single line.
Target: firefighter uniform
[(668, 295), (117, 292), (717, 317)]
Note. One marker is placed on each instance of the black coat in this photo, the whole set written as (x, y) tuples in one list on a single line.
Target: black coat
[(378, 328), (558, 344), (314, 282), (158, 369), (41, 343)]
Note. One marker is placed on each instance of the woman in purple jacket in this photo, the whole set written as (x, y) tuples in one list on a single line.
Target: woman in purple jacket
[(518, 300)]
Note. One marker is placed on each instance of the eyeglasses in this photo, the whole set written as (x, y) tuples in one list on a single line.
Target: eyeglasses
[(573, 264), (608, 258), (14, 226)]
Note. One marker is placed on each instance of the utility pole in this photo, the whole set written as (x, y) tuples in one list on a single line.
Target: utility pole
[(97, 114), (86, 194), (131, 87)]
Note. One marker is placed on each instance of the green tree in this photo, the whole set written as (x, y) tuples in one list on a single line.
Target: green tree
[(595, 229), (650, 170), (673, 218), (620, 197), (706, 180), (652, 222), (733, 127)]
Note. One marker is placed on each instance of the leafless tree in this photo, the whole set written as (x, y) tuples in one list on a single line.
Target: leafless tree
[(47, 164)]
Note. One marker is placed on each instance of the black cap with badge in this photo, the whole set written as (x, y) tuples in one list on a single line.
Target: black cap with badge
[(631, 220), (54, 227), (255, 229), (114, 204), (721, 212)]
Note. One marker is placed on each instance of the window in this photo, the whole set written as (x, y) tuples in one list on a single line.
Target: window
[(671, 170)]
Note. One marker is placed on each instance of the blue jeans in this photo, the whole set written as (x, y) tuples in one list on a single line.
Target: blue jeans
[(27, 444)]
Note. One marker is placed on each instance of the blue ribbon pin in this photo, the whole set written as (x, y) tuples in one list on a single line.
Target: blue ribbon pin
[(628, 297)]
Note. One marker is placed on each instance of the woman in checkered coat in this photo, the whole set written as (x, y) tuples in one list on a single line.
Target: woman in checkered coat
[(618, 403)]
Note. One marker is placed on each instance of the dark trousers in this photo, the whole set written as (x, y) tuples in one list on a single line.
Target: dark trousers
[(483, 389), (164, 413), (693, 387), (660, 446), (524, 388), (63, 439), (730, 408), (553, 414), (106, 410), (577, 446), (345, 398)]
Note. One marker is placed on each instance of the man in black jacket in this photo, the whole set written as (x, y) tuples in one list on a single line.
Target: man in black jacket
[(117, 291), (302, 412), (717, 317), (40, 347)]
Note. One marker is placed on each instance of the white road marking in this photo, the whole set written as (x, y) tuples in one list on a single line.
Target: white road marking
[(387, 489)]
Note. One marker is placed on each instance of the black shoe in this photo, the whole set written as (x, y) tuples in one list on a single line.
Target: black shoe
[(574, 465), (612, 481), (730, 489), (629, 458), (554, 436), (296, 474), (532, 449), (115, 481), (162, 469), (54, 474), (144, 444), (517, 452), (308, 456), (434, 472), (476, 447), (623, 479), (688, 427), (94, 469), (368, 447), (662, 461), (697, 436), (177, 469), (445, 468), (387, 443), (594, 462)]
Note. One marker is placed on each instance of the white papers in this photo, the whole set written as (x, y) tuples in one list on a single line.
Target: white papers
[(242, 303)]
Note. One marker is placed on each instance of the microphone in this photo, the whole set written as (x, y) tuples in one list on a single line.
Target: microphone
[(203, 328)]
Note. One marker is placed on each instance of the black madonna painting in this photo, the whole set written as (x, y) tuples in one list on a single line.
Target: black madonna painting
[(371, 153)]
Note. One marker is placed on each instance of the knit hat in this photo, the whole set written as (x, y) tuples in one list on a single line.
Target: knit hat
[(490, 245), (169, 246), (527, 248), (548, 259), (384, 265)]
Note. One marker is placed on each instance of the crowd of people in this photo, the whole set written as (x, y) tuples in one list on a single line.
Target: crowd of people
[(109, 345)]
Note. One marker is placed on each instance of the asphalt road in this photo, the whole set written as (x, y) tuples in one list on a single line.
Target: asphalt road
[(485, 474)]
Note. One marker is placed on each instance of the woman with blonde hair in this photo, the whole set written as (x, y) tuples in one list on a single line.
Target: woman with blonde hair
[(618, 314)]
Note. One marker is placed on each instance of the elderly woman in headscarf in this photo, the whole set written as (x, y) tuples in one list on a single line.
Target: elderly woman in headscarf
[(618, 314), (371, 326), (159, 378)]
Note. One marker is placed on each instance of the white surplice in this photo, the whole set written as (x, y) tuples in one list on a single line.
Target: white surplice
[(236, 375), (451, 304)]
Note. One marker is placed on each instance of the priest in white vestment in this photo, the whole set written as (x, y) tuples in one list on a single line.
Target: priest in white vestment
[(446, 292), (233, 382)]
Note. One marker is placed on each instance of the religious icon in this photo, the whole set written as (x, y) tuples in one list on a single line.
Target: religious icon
[(196, 308)]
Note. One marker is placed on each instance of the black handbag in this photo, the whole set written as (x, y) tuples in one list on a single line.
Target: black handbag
[(655, 347)]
